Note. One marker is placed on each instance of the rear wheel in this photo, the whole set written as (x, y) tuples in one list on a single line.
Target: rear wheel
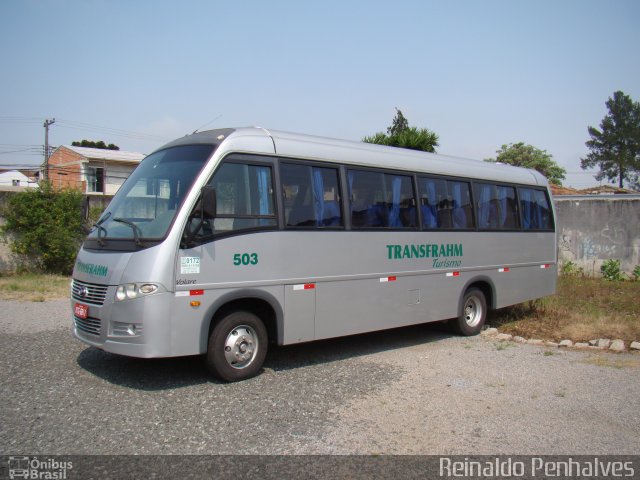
[(472, 313), (237, 346)]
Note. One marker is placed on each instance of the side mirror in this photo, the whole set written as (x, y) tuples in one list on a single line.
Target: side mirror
[(205, 209), (208, 205)]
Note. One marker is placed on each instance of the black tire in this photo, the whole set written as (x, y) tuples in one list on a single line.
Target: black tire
[(472, 313), (237, 346)]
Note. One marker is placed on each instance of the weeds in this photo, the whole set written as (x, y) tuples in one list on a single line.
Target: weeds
[(571, 269), (611, 270), (582, 309), (608, 361), (504, 345), (33, 287)]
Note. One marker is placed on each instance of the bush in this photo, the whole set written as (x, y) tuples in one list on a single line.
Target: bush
[(571, 269), (636, 273), (46, 227), (611, 270)]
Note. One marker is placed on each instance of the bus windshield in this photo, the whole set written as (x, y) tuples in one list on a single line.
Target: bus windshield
[(146, 204)]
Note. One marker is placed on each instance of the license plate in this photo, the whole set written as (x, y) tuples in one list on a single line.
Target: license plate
[(81, 311)]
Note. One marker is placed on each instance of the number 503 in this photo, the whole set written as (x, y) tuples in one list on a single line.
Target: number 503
[(245, 259)]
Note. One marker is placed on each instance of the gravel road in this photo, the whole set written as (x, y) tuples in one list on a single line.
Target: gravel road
[(416, 390)]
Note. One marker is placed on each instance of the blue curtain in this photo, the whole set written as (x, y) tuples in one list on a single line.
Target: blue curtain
[(526, 207), (264, 195), (484, 205), (318, 195), (459, 215), (351, 202), (429, 219), (263, 190), (503, 196), (394, 214), (540, 206)]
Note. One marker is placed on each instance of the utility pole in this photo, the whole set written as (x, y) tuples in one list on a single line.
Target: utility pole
[(46, 125)]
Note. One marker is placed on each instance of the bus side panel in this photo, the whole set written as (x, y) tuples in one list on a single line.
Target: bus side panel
[(510, 290), (357, 306), (299, 316)]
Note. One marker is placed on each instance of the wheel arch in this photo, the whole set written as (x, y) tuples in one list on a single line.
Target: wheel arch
[(259, 302), (486, 286)]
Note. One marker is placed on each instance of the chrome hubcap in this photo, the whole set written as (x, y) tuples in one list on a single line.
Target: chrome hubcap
[(472, 311), (241, 346)]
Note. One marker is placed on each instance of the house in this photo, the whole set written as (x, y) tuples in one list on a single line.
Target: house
[(91, 170), (14, 178)]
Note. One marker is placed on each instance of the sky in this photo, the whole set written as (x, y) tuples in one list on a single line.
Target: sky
[(480, 74)]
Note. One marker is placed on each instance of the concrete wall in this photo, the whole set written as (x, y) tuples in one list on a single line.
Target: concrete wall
[(592, 229)]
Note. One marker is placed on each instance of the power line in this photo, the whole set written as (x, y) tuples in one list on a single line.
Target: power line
[(87, 127), (71, 124), (6, 152)]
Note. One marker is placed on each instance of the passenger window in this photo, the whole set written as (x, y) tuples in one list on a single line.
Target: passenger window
[(535, 209), (244, 197), (461, 209), (311, 196), (380, 200), (496, 207), (433, 202), (445, 204)]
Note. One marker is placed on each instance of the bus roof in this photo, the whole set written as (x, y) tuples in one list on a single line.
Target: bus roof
[(294, 145)]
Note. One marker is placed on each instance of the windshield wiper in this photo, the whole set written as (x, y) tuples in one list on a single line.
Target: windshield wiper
[(101, 229), (136, 230)]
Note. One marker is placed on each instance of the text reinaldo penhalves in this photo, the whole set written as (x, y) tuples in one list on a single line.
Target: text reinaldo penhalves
[(535, 467)]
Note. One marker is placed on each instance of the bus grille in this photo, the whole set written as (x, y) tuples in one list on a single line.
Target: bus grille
[(88, 292), (88, 325)]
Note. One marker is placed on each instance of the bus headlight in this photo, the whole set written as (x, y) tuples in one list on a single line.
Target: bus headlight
[(148, 288), (135, 290)]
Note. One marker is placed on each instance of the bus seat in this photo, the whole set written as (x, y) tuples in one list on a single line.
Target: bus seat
[(377, 216), (302, 216), (459, 218), (332, 214), (429, 219)]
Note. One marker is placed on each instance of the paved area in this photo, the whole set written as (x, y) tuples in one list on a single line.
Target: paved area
[(415, 390)]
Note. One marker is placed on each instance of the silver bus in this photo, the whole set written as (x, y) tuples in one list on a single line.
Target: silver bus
[(224, 241)]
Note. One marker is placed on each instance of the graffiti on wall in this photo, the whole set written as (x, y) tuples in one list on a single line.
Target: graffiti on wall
[(592, 249)]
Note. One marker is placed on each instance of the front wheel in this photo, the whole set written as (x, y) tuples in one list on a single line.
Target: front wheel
[(237, 346), (472, 313)]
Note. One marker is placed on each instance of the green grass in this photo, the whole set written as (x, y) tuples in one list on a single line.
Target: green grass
[(582, 309), (32, 287)]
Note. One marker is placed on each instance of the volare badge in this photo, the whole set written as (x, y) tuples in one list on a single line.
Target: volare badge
[(189, 265)]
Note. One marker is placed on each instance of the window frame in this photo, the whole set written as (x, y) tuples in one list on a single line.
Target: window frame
[(446, 179), (93, 179), (402, 173), (545, 192), (250, 160), (311, 164), (514, 186)]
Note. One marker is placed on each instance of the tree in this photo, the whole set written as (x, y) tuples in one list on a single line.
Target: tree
[(399, 125), (46, 227), (523, 155), (99, 144), (400, 134), (615, 147)]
